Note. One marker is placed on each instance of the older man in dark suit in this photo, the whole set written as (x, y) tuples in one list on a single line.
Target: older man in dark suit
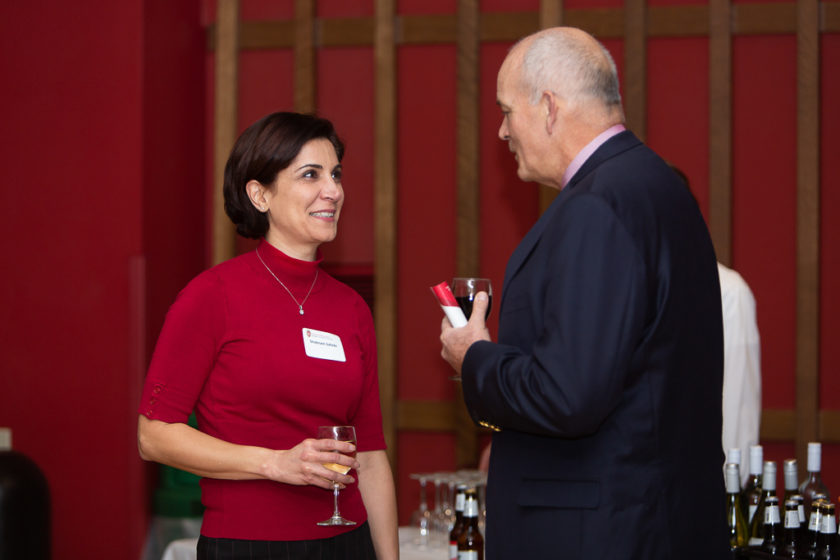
[(605, 384)]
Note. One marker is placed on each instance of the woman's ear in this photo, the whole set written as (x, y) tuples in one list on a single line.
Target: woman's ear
[(256, 192)]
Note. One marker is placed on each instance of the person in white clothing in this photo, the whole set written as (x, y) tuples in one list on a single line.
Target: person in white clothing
[(741, 365)]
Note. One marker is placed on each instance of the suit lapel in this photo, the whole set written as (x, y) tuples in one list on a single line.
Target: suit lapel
[(619, 143)]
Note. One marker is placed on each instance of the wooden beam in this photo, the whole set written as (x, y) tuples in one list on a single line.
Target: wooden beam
[(778, 425), (304, 48), (427, 416), (720, 128), (635, 66), (506, 26), (468, 226), (690, 20), (256, 35), (807, 224), (224, 122), (764, 19), (830, 19), (829, 426), (678, 21), (346, 32), (427, 29), (551, 13), (385, 217)]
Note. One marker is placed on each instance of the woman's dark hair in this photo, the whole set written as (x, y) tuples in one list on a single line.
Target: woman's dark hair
[(263, 150)]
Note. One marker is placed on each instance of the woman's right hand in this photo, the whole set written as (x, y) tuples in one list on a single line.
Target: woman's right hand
[(183, 447), (304, 463)]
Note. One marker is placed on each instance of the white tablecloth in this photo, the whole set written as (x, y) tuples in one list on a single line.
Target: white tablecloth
[(181, 549), (184, 549)]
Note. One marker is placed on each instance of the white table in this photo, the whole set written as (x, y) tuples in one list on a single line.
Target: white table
[(184, 549)]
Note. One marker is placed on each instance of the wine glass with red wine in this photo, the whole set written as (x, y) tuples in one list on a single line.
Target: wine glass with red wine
[(465, 290)]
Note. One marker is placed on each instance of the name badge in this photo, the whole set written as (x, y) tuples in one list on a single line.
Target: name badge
[(323, 345)]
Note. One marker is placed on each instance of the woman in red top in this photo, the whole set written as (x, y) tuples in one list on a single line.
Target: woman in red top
[(265, 348)]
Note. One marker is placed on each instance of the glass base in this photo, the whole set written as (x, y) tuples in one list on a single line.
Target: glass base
[(336, 520)]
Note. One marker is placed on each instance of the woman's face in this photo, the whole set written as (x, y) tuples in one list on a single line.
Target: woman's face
[(304, 202)]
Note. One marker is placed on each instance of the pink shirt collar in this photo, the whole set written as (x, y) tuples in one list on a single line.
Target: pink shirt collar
[(587, 151)]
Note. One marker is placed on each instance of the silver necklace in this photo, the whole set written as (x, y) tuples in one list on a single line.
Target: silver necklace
[(300, 305)]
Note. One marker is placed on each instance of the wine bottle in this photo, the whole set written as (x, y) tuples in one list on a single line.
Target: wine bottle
[(791, 534), (791, 477), (813, 483), (772, 542), (470, 542), (828, 530), (803, 521), (751, 494), (734, 456), (757, 527), (460, 498), (738, 529), (814, 524)]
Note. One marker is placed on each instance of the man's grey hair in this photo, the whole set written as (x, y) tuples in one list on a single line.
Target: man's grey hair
[(571, 69)]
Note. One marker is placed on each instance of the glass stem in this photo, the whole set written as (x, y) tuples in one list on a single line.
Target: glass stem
[(335, 500)]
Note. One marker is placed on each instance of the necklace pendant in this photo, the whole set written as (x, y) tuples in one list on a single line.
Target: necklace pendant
[(301, 309)]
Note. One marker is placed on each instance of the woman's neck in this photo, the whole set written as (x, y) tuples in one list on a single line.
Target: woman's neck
[(300, 252)]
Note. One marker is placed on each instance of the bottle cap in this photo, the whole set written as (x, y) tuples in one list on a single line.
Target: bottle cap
[(734, 456), (756, 457), (5, 439), (768, 479), (791, 474), (733, 478), (814, 456)]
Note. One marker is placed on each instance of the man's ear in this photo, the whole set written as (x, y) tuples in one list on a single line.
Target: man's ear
[(256, 193), (550, 103)]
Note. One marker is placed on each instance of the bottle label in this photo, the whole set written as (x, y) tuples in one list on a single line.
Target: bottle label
[(460, 498), (801, 509), (453, 550), (755, 541), (771, 515), (829, 524), (813, 521), (791, 519), (471, 508), (467, 555)]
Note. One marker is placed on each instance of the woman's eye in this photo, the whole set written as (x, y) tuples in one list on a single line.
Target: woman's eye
[(336, 175), (311, 174)]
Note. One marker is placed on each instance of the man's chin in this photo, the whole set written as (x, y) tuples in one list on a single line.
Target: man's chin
[(523, 174)]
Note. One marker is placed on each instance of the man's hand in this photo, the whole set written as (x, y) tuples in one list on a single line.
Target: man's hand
[(456, 342)]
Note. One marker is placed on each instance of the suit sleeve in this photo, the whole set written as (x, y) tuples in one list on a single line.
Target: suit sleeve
[(587, 274)]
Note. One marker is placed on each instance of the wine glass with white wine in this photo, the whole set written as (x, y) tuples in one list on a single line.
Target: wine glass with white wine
[(340, 433)]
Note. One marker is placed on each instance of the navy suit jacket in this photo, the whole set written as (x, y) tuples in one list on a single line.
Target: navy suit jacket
[(606, 378)]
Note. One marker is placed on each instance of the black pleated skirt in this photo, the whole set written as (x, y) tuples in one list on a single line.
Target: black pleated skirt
[(352, 545)]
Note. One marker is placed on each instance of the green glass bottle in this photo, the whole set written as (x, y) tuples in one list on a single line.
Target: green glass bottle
[(738, 530), (768, 479)]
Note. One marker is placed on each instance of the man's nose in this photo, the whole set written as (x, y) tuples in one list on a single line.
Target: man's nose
[(503, 130)]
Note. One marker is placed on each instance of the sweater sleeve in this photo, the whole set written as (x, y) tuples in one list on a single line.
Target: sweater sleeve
[(186, 350)]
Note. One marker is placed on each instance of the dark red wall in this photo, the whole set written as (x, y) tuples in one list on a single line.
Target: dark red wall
[(107, 119), (102, 175)]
